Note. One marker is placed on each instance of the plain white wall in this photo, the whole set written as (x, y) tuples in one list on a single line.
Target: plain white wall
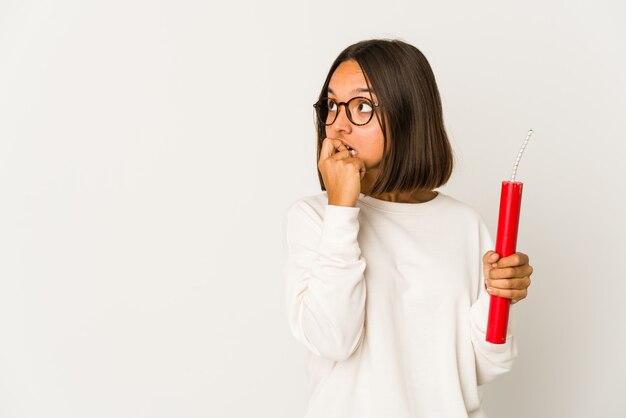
[(148, 151)]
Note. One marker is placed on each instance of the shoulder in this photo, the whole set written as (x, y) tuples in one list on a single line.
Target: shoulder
[(462, 210), (472, 222)]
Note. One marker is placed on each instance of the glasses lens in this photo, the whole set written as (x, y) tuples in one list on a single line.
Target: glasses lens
[(326, 111), (361, 110)]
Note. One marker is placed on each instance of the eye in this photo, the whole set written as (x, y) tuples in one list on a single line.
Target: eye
[(332, 106), (364, 106)]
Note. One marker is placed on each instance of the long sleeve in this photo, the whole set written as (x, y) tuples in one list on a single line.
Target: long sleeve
[(325, 285), (492, 360)]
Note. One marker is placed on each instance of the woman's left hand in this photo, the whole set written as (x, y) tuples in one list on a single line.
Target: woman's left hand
[(507, 277)]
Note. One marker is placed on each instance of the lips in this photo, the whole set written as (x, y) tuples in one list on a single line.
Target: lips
[(349, 148)]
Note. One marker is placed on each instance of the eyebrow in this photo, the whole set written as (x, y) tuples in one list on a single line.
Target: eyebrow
[(361, 90)]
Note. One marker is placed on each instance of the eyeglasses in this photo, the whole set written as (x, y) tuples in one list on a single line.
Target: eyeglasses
[(359, 110)]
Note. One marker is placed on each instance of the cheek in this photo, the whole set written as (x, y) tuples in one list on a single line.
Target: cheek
[(379, 144), (376, 143), (330, 132), (372, 148)]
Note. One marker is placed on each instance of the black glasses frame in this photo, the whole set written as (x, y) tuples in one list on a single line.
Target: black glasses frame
[(319, 107)]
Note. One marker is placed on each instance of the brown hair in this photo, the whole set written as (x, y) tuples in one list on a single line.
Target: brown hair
[(418, 156)]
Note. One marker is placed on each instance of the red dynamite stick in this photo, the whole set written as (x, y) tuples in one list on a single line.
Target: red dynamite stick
[(508, 222)]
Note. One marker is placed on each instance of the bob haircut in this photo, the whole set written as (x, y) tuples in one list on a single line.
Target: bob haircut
[(416, 152)]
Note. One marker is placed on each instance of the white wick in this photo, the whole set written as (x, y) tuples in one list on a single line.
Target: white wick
[(519, 156)]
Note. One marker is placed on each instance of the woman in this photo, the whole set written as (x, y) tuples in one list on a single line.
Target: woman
[(388, 281)]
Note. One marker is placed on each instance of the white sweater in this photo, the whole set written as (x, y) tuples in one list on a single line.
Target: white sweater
[(389, 300)]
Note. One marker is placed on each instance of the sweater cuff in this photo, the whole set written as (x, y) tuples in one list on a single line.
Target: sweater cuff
[(340, 230)]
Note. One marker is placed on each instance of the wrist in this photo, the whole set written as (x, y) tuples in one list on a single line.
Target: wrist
[(341, 203)]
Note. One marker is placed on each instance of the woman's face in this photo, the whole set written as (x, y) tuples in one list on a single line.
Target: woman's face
[(348, 81)]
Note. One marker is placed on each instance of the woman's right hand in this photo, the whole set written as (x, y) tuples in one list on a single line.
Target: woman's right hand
[(341, 172)]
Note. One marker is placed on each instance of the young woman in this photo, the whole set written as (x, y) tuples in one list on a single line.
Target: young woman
[(388, 281)]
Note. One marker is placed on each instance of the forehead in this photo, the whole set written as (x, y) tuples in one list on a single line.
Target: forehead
[(347, 79)]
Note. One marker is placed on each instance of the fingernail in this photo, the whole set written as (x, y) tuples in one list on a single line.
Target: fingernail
[(490, 290)]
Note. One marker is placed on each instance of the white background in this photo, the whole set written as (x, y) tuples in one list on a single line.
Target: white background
[(149, 149)]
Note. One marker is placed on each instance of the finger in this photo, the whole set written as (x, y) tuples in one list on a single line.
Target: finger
[(359, 164), (489, 260), (510, 272), (516, 295), (329, 146), (490, 257), (517, 284), (341, 155), (515, 259)]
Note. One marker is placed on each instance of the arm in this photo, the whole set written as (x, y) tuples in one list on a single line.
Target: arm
[(325, 283)]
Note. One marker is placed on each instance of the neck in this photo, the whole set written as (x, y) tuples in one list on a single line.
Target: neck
[(415, 196)]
